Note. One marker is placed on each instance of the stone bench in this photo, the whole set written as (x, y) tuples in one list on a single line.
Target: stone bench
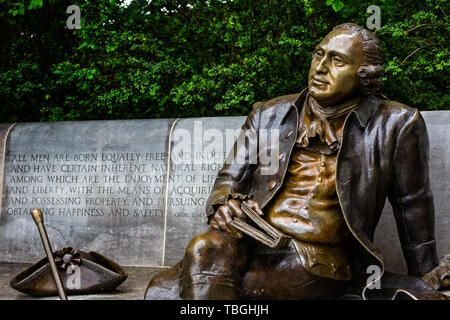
[(105, 186)]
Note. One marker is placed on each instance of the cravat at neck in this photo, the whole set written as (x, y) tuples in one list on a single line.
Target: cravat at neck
[(316, 122), (329, 112)]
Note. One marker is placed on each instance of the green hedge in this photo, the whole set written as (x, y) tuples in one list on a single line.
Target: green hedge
[(194, 58)]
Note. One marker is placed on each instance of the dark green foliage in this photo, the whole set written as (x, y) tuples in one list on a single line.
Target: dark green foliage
[(199, 58)]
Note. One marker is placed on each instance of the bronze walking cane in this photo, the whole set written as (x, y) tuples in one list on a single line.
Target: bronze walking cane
[(39, 220)]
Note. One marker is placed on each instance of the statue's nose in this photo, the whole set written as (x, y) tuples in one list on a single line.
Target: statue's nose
[(322, 66)]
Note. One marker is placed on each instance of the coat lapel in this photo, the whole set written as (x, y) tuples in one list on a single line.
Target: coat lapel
[(366, 109)]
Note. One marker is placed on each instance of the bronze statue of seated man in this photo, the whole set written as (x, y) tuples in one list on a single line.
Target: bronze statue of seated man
[(342, 150)]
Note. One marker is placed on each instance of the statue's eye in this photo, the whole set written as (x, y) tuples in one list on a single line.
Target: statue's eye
[(338, 61), (318, 55)]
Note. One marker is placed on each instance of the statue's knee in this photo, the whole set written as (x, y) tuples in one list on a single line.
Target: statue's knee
[(210, 245)]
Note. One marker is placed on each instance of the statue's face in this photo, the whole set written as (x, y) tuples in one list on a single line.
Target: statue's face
[(332, 76)]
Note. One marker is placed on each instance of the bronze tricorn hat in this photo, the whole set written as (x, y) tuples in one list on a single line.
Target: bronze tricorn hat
[(81, 273)]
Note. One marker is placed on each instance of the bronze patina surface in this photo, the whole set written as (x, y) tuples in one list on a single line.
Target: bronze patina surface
[(343, 151)]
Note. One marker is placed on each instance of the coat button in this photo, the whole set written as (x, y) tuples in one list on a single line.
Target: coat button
[(320, 180), (281, 156), (288, 134), (272, 185), (322, 164)]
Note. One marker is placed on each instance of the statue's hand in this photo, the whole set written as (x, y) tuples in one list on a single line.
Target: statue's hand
[(255, 206), (223, 216)]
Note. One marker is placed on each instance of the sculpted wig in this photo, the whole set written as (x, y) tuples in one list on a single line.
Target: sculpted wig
[(371, 71)]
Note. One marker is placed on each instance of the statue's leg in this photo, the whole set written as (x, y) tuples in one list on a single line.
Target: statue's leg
[(279, 274), (213, 266), (164, 285)]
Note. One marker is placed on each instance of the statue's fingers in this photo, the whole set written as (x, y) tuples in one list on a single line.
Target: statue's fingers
[(214, 225), (255, 206), (235, 207), (225, 213), (222, 216), (222, 225), (235, 232)]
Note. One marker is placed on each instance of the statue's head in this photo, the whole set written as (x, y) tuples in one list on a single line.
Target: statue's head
[(347, 62)]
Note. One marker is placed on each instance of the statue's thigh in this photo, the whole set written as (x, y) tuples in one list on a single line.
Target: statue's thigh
[(279, 274), (216, 252)]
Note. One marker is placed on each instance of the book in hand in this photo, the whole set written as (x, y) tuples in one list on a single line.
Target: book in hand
[(267, 234)]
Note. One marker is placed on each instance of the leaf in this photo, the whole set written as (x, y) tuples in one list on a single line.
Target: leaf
[(84, 44), (337, 5), (110, 48), (35, 4)]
